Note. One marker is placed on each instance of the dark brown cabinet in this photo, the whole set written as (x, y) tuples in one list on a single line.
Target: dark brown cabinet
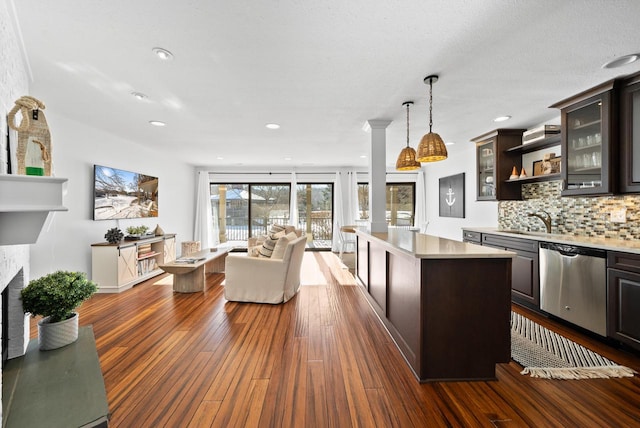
[(362, 261), (428, 302), (495, 164), (525, 281), (630, 134), (589, 141), (623, 309), (473, 237)]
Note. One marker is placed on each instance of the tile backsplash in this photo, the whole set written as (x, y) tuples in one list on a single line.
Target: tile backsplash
[(579, 216)]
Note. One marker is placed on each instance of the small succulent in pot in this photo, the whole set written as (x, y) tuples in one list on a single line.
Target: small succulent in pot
[(113, 236)]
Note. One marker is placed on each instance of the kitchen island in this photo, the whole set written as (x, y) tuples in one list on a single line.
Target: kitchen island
[(446, 303)]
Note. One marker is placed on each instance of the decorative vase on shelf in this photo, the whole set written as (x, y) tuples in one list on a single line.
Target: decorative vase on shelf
[(514, 174), (523, 174)]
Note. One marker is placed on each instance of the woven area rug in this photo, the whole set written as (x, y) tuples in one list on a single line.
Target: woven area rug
[(545, 354)]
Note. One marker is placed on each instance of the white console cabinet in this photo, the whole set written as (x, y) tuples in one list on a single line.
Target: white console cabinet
[(118, 267)]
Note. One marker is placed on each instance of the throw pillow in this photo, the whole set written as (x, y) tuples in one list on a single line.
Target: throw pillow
[(291, 236), (280, 248), (275, 228), (268, 245), (277, 235)]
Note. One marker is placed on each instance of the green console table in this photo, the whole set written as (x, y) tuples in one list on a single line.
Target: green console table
[(59, 388)]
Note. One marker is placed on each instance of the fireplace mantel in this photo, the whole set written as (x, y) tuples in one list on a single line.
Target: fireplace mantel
[(25, 204)]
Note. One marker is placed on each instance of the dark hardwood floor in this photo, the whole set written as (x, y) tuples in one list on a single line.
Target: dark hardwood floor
[(321, 360)]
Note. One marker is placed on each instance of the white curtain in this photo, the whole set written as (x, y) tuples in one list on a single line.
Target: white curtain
[(293, 203), (203, 230), (420, 222), (353, 208), (338, 213)]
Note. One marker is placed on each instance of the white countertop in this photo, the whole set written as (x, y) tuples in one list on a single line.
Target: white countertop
[(423, 246), (583, 241)]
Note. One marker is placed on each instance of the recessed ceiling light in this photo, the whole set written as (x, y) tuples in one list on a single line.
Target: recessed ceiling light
[(163, 54), (157, 123), (620, 61), (287, 158), (220, 158), (501, 118), (138, 95), (272, 126), (449, 144), (363, 156)]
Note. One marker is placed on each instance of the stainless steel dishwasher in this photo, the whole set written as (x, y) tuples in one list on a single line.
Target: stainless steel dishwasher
[(573, 285)]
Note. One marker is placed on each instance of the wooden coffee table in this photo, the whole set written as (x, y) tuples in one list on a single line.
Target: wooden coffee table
[(189, 272)]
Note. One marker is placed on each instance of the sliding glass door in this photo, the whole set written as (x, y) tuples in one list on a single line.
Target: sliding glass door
[(269, 204), (246, 209), (315, 212), (400, 198)]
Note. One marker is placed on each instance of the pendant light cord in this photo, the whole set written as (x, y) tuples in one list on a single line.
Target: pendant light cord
[(407, 124), (430, 104)]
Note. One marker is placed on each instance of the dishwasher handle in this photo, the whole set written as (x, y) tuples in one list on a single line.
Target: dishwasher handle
[(572, 250)]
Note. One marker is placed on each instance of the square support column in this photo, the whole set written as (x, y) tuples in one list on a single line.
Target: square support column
[(378, 175)]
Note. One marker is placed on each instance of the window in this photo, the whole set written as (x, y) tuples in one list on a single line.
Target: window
[(400, 206), (243, 210), (315, 212)]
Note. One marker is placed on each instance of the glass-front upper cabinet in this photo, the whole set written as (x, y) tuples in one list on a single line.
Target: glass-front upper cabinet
[(630, 135), (495, 163), (588, 132), (486, 171)]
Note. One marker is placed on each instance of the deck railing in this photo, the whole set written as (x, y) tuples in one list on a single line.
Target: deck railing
[(321, 228)]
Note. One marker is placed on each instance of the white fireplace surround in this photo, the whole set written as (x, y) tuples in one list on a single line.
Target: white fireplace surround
[(14, 273), (26, 203)]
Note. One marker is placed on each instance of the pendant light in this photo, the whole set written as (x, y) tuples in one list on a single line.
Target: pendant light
[(407, 158), (431, 148)]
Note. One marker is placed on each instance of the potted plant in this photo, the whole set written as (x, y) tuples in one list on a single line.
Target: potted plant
[(55, 296), (136, 232)]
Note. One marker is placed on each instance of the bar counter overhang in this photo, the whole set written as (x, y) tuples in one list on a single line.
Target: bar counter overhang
[(446, 303)]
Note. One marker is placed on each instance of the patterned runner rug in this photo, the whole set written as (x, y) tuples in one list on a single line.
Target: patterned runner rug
[(545, 354)]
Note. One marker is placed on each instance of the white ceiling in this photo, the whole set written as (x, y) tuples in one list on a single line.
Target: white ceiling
[(319, 68)]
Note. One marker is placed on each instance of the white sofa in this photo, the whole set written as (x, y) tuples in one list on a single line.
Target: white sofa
[(264, 280)]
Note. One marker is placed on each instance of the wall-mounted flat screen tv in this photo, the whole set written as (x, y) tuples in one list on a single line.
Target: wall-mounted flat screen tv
[(122, 194)]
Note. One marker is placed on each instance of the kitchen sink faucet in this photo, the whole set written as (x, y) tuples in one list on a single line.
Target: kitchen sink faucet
[(546, 219)]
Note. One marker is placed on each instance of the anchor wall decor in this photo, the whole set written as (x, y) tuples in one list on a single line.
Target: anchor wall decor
[(452, 196)]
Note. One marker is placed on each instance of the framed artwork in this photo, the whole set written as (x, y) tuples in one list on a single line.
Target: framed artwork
[(552, 166), (452, 196)]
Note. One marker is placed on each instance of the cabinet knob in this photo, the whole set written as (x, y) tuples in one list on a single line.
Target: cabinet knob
[(568, 308)]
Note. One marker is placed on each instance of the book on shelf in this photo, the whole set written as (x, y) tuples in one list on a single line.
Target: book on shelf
[(145, 266), (145, 248), (147, 254)]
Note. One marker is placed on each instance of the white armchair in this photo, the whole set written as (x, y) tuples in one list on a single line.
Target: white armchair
[(264, 280)]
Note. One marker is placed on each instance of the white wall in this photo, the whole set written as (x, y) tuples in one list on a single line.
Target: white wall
[(477, 213), (65, 242)]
